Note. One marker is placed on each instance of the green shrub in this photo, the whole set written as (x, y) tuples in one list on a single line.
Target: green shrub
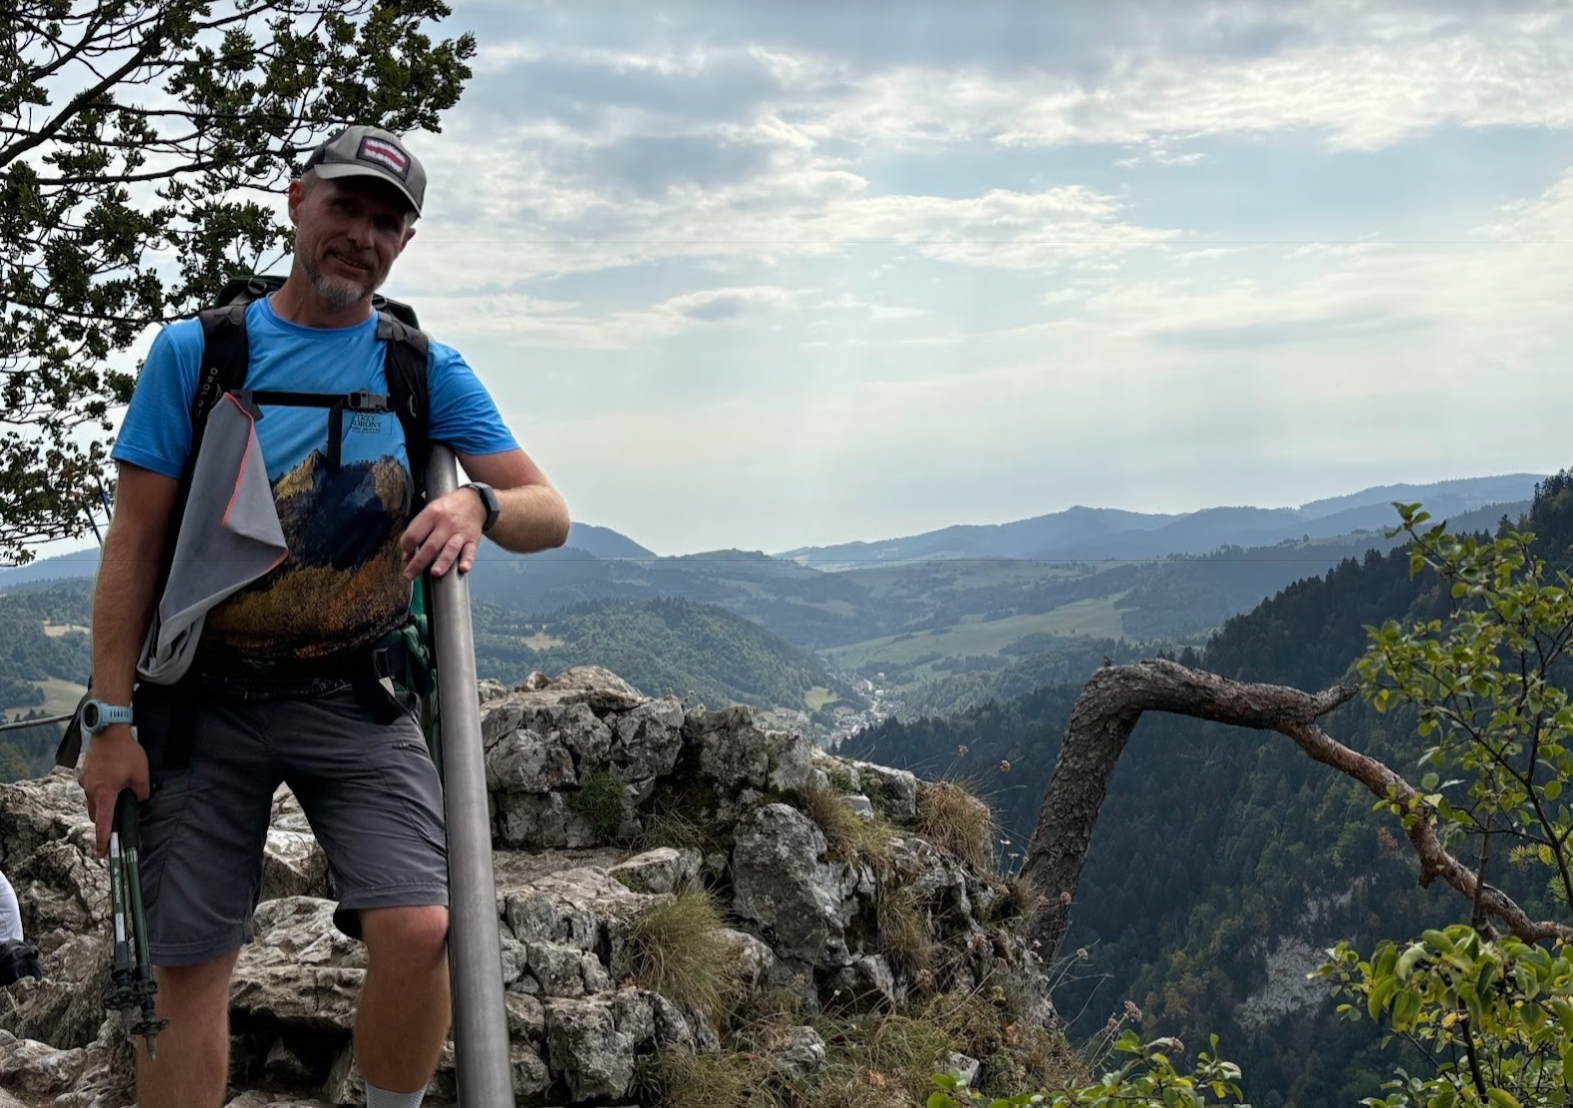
[(600, 801)]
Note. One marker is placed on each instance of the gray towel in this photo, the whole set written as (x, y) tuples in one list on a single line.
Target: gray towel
[(229, 537)]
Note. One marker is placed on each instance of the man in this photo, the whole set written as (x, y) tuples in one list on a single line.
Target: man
[(272, 699)]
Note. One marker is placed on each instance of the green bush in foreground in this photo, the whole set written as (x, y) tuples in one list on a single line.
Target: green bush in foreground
[(1147, 1080)]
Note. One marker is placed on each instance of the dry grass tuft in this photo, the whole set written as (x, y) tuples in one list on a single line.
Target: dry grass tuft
[(721, 1079), (955, 820), (872, 1061), (848, 836), (904, 931), (676, 949)]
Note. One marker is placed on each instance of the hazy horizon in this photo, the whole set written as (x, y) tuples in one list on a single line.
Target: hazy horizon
[(77, 546)]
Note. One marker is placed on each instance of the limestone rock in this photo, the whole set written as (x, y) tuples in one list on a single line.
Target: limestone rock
[(256, 1099), (860, 805), (780, 884), (895, 791), (301, 971), (593, 1042), (792, 768), (647, 740), (586, 1044), (293, 864), (288, 815), (523, 760), (866, 984), (657, 871), (487, 690), (802, 1054), (284, 1064), (733, 753), (965, 1069), (66, 1008), (29, 1066), (752, 958), (566, 909), (534, 821)]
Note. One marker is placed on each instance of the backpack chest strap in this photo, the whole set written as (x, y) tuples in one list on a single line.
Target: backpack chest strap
[(336, 404)]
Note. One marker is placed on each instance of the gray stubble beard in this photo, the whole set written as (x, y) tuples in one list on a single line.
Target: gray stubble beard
[(341, 292)]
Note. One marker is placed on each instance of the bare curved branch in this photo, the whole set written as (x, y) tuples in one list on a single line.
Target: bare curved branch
[(1106, 713)]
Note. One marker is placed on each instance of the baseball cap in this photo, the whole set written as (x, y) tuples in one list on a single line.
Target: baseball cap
[(362, 151)]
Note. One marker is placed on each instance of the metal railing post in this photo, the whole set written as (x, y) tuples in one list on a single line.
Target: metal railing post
[(480, 1017)]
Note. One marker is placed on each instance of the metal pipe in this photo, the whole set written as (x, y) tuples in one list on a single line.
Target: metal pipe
[(24, 724), (480, 1016)]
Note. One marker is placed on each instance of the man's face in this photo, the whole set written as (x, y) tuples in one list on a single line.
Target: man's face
[(348, 231)]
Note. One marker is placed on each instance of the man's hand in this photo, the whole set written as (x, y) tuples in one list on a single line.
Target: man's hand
[(447, 531), (115, 761)]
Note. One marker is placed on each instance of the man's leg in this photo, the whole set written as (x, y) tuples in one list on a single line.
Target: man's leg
[(193, 1051), (375, 802), (403, 1017)]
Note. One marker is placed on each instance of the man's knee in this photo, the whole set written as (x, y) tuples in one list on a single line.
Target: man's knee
[(198, 990), (417, 934)]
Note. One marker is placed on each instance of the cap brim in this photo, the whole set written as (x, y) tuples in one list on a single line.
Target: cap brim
[(332, 170)]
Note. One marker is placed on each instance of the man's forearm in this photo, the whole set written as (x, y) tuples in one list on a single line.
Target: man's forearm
[(122, 609), (530, 518)]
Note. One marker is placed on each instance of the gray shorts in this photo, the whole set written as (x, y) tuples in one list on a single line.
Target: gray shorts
[(369, 791)]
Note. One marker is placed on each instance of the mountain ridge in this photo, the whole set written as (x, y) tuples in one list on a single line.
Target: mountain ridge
[(1082, 533)]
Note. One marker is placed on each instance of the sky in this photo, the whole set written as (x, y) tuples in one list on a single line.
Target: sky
[(773, 275)]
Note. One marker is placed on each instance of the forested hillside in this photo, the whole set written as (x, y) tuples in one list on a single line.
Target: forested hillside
[(42, 646), (669, 646), (1225, 861)]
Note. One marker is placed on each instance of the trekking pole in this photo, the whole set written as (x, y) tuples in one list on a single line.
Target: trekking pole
[(480, 1016), (131, 985)]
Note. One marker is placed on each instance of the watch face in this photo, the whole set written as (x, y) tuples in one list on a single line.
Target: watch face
[(90, 716)]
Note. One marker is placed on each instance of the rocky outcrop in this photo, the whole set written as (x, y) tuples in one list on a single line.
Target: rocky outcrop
[(605, 804)]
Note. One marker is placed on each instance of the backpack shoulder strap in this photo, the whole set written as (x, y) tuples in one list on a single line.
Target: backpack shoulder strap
[(225, 359), (409, 394)]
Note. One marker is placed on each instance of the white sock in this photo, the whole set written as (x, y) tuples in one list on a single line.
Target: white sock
[(382, 1098)]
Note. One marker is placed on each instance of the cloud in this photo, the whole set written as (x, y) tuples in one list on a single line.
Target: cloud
[(1364, 76), (518, 320)]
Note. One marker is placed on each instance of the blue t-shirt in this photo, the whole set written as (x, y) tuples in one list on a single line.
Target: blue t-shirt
[(341, 587)]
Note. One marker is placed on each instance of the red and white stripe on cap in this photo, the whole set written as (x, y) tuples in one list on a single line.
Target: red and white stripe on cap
[(380, 150)]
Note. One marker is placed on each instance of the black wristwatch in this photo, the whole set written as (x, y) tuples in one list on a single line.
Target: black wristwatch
[(488, 497)]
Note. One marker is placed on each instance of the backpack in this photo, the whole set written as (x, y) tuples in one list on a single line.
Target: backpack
[(404, 656), (19, 959)]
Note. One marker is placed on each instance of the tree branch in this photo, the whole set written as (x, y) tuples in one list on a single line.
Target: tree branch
[(1107, 712)]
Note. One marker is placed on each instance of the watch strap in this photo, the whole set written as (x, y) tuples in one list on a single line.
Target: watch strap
[(489, 501), (96, 715)]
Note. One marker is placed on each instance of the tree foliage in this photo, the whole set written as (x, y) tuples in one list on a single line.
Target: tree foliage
[(1492, 1012), (140, 144)]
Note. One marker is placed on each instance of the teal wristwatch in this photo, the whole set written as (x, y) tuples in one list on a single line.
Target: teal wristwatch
[(96, 715)]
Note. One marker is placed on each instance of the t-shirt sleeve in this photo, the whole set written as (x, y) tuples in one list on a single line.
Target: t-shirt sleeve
[(463, 414), (156, 433)]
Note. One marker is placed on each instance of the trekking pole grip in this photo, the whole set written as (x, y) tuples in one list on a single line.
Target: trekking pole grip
[(127, 818)]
